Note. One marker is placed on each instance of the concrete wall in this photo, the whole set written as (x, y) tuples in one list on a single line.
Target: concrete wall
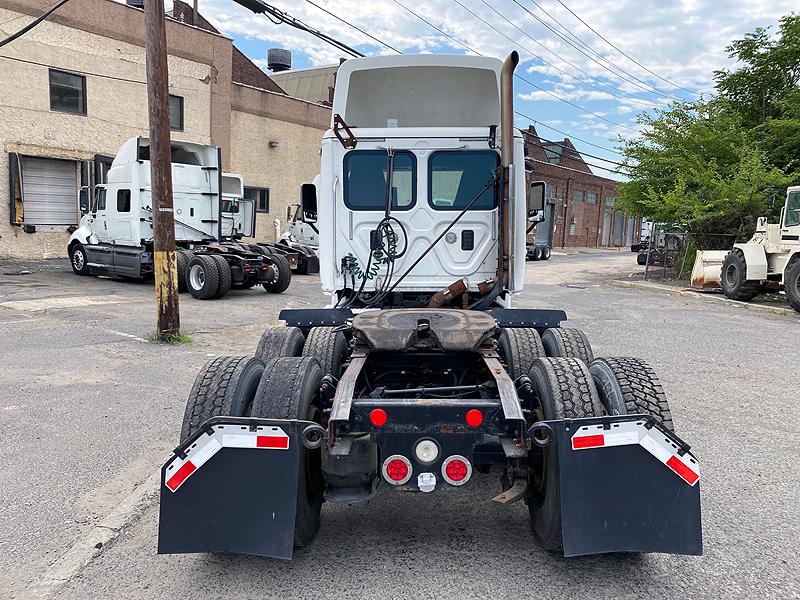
[(259, 117), (103, 40)]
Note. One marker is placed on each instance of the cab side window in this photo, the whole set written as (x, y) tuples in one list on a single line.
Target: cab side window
[(100, 199), (792, 217), (123, 201)]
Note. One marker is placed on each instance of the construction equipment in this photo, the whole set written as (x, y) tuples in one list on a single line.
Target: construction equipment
[(115, 235), (771, 258), (421, 375)]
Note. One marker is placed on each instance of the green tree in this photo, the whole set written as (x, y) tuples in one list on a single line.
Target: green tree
[(695, 164), (711, 165)]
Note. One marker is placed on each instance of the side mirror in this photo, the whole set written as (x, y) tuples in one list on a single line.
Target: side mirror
[(536, 198), (83, 199), (308, 202), (771, 199)]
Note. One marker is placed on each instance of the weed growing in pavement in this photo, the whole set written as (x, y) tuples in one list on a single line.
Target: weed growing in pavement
[(174, 339)]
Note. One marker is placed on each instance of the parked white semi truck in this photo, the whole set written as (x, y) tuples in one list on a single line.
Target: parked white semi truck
[(420, 376), (115, 236)]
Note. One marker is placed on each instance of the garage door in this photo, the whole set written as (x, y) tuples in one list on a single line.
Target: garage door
[(49, 191)]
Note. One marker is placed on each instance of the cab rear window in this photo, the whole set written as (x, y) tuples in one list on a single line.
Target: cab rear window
[(365, 175), (455, 178)]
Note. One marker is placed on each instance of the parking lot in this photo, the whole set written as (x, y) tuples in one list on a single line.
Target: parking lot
[(89, 409)]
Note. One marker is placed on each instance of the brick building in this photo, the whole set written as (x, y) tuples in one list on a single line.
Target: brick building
[(573, 190)]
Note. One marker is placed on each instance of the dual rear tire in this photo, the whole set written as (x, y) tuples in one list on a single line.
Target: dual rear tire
[(568, 388)]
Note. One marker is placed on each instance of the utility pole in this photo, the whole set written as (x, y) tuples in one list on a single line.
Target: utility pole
[(164, 260), (564, 220)]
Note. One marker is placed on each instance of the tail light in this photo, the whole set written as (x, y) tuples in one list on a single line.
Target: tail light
[(474, 417), (397, 469), (456, 470), (377, 417)]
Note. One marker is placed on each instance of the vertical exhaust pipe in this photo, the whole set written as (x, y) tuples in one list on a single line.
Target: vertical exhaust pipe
[(507, 158), (507, 109)]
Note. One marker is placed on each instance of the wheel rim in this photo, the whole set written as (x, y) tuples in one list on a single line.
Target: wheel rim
[(77, 260), (732, 276), (197, 277)]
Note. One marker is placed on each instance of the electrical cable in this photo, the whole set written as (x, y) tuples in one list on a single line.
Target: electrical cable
[(632, 79), (32, 24), (549, 64), (338, 18), (518, 76), (625, 54)]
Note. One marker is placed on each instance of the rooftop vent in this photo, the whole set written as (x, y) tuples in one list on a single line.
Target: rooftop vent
[(278, 59)]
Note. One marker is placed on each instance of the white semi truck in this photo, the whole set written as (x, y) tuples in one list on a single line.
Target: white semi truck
[(421, 375), (115, 236)]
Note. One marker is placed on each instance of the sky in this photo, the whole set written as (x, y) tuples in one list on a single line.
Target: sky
[(572, 82)]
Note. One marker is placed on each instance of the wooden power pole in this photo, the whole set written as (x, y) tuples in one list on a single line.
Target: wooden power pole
[(164, 260)]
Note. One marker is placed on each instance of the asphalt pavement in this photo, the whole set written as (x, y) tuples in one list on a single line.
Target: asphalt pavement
[(89, 409)]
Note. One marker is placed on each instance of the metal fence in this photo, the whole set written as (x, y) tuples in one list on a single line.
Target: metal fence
[(671, 254)]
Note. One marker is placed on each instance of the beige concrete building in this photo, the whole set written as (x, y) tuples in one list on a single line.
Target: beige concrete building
[(73, 90)]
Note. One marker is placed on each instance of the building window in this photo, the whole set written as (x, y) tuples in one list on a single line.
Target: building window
[(609, 202), (591, 198), (175, 113), (259, 196), (572, 228), (123, 201), (578, 196), (67, 92)]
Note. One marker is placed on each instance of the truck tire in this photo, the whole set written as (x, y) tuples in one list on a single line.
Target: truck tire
[(78, 260), (225, 386), (733, 278), (289, 389), (629, 386), (329, 347), (202, 277), (182, 257), (283, 275), (546, 252), (537, 253), (519, 347), (279, 342), (791, 283), (224, 271), (565, 390), (567, 342)]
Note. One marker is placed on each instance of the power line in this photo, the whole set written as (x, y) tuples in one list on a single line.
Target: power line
[(545, 162), (549, 64), (520, 77), (277, 16), (338, 18), (32, 24), (625, 54), (570, 136), (630, 79)]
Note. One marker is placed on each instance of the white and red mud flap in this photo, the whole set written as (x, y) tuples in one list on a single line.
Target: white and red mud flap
[(627, 485), (232, 487)]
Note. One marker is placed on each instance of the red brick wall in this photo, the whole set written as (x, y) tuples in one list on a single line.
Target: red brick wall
[(571, 175)]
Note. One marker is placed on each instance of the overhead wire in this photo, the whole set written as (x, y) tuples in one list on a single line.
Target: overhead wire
[(625, 54), (349, 24), (518, 76), (621, 73), (549, 64), (32, 24)]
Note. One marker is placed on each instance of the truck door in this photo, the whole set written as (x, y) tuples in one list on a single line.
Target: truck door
[(245, 220), (790, 232), (99, 255), (118, 217)]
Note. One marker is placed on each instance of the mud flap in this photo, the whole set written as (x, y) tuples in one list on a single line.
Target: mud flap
[(232, 487), (627, 485)]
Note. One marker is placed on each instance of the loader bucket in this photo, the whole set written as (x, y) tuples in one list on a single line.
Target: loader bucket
[(706, 273), (627, 485), (232, 487)]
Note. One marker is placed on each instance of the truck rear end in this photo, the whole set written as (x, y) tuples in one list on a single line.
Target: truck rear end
[(421, 376)]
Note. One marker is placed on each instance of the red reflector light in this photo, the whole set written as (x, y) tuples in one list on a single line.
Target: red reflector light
[(474, 417), (456, 470), (378, 417), (396, 470)]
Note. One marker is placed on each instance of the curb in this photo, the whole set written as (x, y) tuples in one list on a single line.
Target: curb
[(657, 287), (97, 539)]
